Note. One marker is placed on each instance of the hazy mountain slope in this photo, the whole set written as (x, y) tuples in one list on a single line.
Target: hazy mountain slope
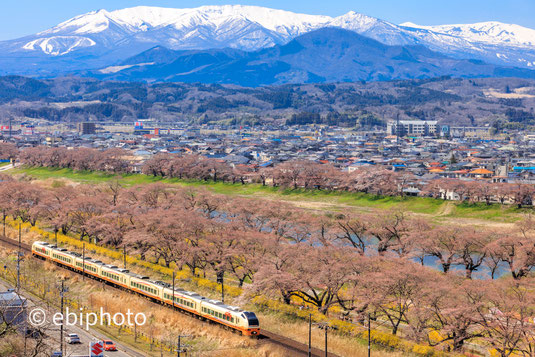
[(325, 55)]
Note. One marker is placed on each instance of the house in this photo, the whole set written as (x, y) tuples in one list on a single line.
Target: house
[(481, 173), (13, 309)]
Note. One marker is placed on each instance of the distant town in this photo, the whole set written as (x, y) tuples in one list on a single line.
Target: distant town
[(423, 148)]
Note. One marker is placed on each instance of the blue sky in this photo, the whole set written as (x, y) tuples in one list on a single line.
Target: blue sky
[(24, 17)]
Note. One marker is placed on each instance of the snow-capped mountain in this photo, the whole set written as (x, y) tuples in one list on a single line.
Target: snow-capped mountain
[(495, 33), (244, 27), (101, 38), (493, 42)]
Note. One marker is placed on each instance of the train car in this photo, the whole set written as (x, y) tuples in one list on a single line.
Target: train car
[(116, 276), (216, 311), (231, 316), (144, 286), (42, 250), (89, 266), (185, 300), (62, 256)]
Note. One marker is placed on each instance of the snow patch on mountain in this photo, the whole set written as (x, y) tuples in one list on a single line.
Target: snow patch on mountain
[(59, 45)]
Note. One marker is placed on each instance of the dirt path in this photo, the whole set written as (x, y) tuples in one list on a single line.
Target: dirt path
[(441, 216)]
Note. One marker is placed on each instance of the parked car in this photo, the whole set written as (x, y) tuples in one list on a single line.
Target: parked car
[(56, 354), (72, 338), (109, 345)]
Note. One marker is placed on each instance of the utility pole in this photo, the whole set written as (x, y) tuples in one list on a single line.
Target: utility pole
[(62, 292), (83, 261), (56, 236), (4, 214), (19, 253), (173, 298), (309, 335), (179, 346), (220, 276), (326, 328), (369, 335), (124, 255)]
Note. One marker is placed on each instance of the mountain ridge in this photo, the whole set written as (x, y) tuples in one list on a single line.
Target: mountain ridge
[(324, 55), (102, 38)]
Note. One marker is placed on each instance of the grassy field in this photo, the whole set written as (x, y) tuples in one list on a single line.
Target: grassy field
[(313, 199)]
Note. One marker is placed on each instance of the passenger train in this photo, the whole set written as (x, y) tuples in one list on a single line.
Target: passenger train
[(213, 310)]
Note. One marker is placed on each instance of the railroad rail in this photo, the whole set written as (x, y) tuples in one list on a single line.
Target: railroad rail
[(291, 347)]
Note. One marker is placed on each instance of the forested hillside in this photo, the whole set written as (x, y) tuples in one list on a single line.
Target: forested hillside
[(498, 102)]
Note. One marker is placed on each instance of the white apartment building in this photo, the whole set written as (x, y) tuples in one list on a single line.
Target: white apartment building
[(412, 127)]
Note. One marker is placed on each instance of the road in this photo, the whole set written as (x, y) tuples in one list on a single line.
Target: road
[(6, 167), (85, 336)]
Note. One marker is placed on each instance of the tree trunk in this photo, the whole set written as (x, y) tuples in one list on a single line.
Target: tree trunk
[(446, 267), (287, 298), (395, 329)]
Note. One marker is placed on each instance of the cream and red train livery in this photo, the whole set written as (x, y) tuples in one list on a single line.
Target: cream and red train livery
[(244, 321)]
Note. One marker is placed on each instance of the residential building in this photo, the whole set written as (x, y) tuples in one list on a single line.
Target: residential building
[(412, 127)]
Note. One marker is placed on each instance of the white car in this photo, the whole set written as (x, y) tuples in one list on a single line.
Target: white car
[(72, 339)]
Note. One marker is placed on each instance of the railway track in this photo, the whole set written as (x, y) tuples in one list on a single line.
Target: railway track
[(291, 347)]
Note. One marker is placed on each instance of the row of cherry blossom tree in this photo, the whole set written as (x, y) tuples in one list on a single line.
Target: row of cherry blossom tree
[(408, 273), (375, 180)]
